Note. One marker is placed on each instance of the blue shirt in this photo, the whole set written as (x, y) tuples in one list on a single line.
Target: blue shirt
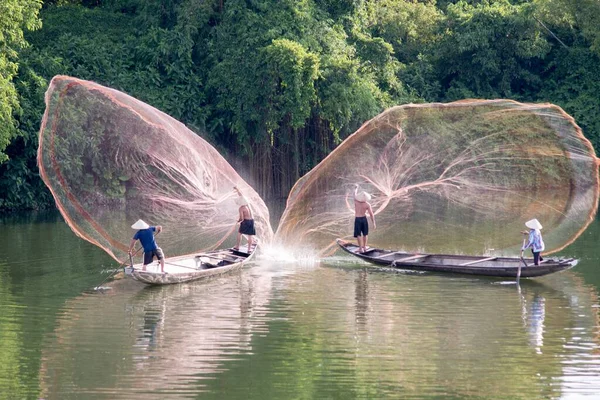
[(146, 238), (535, 241)]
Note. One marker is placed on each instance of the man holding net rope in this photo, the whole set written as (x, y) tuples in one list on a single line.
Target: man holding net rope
[(145, 234), (245, 220), (361, 225)]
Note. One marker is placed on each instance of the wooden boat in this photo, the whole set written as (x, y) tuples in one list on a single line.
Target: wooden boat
[(472, 265), (191, 267)]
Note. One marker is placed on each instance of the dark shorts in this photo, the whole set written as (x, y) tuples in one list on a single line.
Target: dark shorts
[(247, 227), (537, 257), (149, 255), (361, 226)]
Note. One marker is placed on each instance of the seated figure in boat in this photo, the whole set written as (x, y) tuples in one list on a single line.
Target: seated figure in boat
[(361, 224), (534, 240), (245, 220), (145, 234)]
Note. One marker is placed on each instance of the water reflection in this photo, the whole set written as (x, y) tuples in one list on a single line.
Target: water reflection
[(405, 333), (533, 314), (289, 330), (153, 322), (154, 341), (362, 298), (536, 323), (580, 360), (335, 330)]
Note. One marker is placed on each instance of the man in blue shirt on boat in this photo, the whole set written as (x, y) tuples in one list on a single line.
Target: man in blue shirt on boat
[(361, 225), (145, 235)]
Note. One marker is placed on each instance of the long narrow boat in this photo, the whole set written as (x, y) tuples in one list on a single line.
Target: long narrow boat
[(472, 265), (191, 267)]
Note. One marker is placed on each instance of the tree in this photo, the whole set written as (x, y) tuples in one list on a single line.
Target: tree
[(15, 16), (276, 85), (491, 50), (412, 29), (574, 17)]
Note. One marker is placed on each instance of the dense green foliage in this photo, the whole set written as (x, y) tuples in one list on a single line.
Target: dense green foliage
[(276, 85), (15, 16)]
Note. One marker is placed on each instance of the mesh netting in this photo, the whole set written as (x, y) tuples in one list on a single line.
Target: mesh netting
[(110, 159), (452, 178)]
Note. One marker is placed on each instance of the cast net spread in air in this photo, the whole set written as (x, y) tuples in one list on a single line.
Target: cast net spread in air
[(110, 160), (461, 177)]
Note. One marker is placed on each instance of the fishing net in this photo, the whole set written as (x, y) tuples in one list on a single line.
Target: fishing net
[(462, 177), (450, 178), (110, 160)]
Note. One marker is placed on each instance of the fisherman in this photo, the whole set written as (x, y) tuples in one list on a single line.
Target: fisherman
[(361, 225), (145, 234), (534, 240), (245, 220)]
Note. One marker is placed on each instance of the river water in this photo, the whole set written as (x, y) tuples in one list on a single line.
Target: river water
[(288, 329)]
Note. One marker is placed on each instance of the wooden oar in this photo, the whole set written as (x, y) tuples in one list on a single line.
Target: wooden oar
[(522, 259), (519, 270)]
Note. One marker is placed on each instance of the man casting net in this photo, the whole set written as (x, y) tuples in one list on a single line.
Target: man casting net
[(452, 178), (110, 160)]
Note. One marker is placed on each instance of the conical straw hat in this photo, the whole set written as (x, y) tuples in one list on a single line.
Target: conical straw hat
[(363, 196), (140, 225), (241, 201), (533, 224)]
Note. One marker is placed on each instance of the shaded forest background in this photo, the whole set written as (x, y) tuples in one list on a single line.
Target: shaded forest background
[(275, 85)]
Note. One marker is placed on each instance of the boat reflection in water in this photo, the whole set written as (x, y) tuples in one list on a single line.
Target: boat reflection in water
[(152, 340), (333, 331)]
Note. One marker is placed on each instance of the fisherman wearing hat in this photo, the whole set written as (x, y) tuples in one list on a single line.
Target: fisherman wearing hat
[(534, 240), (361, 225), (245, 220), (145, 234)]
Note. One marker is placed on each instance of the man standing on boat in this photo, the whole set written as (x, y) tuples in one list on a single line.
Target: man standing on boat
[(145, 235), (361, 225), (534, 240), (245, 220)]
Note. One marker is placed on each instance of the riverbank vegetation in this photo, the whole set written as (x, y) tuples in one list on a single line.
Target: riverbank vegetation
[(276, 85)]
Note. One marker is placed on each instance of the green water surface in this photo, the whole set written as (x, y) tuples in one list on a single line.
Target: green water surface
[(288, 329)]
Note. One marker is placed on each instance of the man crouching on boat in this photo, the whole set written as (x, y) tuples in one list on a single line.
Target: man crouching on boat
[(145, 235), (245, 219), (361, 225)]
